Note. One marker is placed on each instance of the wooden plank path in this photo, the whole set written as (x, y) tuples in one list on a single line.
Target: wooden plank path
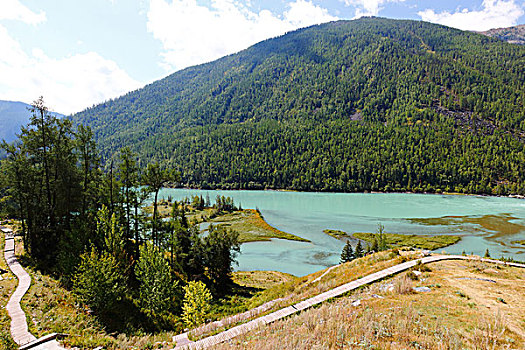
[(19, 329), (335, 292)]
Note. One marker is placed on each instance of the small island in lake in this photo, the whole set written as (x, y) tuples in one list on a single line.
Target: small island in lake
[(396, 240)]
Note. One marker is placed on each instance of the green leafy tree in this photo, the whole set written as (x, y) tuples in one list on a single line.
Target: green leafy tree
[(157, 288), (99, 280), (196, 304), (375, 244), (347, 254)]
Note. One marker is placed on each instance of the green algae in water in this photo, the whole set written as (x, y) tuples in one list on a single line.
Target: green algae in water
[(495, 226)]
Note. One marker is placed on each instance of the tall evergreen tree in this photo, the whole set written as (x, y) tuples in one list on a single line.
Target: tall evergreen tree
[(154, 178), (44, 178), (347, 253), (358, 253)]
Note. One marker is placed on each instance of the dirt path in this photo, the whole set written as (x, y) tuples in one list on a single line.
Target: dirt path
[(287, 311)]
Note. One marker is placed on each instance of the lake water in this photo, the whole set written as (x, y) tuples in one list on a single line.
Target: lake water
[(483, 222)]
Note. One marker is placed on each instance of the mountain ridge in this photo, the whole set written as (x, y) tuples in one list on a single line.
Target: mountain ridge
[(13, 115), (512, 35), (244, 113)]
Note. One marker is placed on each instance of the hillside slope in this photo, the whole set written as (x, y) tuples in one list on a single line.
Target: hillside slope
[(370, 104), (513, 35), (459, 305)]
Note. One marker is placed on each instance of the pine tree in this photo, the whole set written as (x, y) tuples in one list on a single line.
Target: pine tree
[(487, 253), (347, 254), (358, 250), (375, 244)]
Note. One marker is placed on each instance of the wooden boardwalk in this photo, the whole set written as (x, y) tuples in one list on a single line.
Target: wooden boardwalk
[(19, 329), (338, 291)]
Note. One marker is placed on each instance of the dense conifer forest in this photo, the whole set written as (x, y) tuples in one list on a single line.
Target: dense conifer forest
[(370, 104)]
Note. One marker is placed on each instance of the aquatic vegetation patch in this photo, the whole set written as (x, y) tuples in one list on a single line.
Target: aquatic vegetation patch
[(498, 225), (415, 241)]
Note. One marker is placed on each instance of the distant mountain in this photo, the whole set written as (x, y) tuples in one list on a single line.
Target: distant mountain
[(12, 116), (513, 35), (371, 104)]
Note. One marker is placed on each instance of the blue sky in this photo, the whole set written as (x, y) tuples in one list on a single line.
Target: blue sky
[(78, 53)]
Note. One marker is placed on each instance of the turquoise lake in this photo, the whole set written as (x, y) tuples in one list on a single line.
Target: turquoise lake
[(482, 222)]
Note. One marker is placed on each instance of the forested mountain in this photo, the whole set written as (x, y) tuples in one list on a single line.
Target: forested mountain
[(12, 116), (369, 104), (513, 35)]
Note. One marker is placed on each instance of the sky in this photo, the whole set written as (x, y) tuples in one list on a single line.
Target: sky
[(79, 53)]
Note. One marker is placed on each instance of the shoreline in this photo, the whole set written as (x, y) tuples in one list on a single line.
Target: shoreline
[(515, 196)]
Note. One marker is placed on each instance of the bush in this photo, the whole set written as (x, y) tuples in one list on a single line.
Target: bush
[(196, 303), (422, 267), (99, 281), (6, 342), (403, 285), (412, 275), (157, 289)]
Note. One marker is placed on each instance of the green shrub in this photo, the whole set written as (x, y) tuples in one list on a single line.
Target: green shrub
[(157, 289), (196, 303), (99, 281)]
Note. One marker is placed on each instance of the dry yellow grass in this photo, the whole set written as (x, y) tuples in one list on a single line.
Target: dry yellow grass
[(463, 310), (261, 279)]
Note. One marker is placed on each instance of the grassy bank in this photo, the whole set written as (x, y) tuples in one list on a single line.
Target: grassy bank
[(252, 227), (248, 222), (394, 240)]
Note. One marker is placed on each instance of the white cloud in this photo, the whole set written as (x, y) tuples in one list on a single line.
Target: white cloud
[(493, 14), (368, 7), (14, 10), (68, 84), (191, 33)]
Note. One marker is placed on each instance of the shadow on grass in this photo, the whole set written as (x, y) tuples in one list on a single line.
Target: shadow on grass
[(235, 300)]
